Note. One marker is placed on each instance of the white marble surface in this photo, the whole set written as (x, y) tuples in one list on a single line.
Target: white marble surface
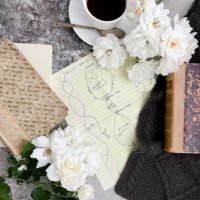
[(67, 48)]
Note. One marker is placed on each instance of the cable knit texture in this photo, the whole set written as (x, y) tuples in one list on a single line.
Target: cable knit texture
[(150, 173)]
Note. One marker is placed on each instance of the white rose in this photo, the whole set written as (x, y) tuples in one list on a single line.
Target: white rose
[(47, 148), (167, 66), (142, 71), (108, 52), (135, 8), (70, 170), (178, 43), (173, 44), (86, 192), (141, 44), (155, 21)]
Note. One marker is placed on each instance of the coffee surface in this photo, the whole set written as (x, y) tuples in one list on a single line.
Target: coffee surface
[(106, 10)]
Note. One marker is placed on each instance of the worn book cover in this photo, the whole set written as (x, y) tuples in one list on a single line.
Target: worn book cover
[(182, 132), (26, 101)]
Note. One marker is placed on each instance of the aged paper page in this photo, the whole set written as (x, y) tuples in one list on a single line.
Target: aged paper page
[(105, 105), (40, 57)]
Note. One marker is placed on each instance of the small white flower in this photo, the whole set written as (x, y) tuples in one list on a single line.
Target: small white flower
[(70, 170), (141, 44), (47, 148), (135, 8), (142, 71), (155, 21), (178, 43), (173, 44), (108, 52), (167, 66), (93, 161), (22, 168), (86, 192)]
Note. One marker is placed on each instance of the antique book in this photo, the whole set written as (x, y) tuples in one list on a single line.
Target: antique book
[(25, 98), (182, 132)]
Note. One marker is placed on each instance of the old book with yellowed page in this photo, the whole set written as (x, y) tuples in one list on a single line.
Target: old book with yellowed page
[(28, 99), (182, 132)]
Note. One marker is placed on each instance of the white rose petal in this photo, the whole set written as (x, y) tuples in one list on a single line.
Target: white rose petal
[(86, 192), (41, 141), (142, 71), (142, 45), (70, 170), (108, 52), (52, 174), (22, 168), (167, 66), (41, 155)]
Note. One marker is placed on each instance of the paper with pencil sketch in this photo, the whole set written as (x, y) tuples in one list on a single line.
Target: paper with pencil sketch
[(105, 105)]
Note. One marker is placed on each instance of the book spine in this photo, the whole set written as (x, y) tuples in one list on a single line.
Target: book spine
[(174, 116)]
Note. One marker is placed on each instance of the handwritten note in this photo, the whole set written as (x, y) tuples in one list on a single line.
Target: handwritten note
[(104, 105)]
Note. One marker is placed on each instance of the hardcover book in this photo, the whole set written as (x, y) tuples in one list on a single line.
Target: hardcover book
[(182, 132)]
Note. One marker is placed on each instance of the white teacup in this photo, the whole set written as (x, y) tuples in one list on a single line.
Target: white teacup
[(101, 24)]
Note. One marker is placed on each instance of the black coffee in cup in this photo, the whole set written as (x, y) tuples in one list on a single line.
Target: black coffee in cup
[(106, 10)]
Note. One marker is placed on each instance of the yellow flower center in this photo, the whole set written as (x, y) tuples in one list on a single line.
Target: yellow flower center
[(156, 23), (48, 152), (173, 44), (109, 52)]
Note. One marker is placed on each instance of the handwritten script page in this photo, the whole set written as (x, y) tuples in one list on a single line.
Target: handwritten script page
[(105, 105)]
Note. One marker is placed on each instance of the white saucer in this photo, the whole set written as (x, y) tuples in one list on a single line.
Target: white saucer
[(77, 15)]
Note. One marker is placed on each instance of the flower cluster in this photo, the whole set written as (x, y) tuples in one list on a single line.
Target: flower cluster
[(161, 45), (70, 160)]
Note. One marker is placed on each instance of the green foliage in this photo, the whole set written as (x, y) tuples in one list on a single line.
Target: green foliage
[(13, 172), (40, 194), (11, 160), (46, 190), (2, 180), (5, 192), (59, 190), (27, 149)]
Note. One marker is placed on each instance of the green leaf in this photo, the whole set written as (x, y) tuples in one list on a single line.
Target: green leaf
[(40, 194), (5, 192), (13, 172), (61, 191), (36, 173), (27, 149), (2, 180), (25, 175), (11, 159)]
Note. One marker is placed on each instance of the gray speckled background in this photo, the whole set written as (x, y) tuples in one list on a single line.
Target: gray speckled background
[(29, 21)]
